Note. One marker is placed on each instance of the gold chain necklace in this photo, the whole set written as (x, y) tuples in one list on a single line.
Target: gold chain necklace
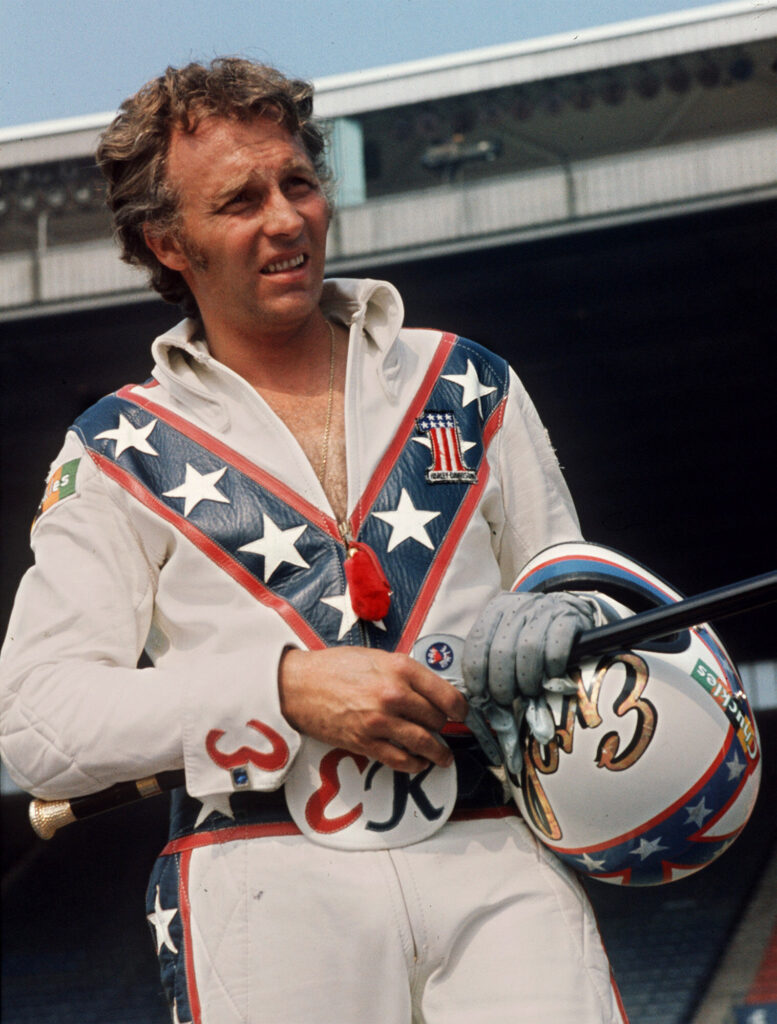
[(328, 424)]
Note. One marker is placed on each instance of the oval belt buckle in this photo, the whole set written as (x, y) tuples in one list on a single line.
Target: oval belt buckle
[(348, 802)]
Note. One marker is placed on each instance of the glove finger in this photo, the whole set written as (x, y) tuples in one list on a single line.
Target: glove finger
[(477, 724), (560, 684), (530, 654), (560, 636), (501, 660), (515, 764), (504, 724), (474, 659), (540, 720)]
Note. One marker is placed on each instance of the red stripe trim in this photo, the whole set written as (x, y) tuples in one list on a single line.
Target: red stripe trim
[(618, 998), (445, 552), (230, 835), (186, 921), (456, 729), (238, 461), (279, 489), (703, 836), (287, 828), (661, 816), (400, 439), (211, 549), (764, 986)]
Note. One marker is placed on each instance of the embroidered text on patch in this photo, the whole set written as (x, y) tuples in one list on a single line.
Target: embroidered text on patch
[(448, 464), (61, 485)]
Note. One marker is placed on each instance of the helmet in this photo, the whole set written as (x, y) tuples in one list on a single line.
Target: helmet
[(655, 764)]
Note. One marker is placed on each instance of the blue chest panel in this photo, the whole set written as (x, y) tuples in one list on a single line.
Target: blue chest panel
[(290, 554)]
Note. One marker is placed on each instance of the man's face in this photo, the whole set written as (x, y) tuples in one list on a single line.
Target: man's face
[(252, 239)]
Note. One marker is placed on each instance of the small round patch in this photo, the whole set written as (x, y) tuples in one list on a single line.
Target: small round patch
[(439, 656)]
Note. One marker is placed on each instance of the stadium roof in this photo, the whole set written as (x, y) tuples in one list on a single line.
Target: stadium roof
[(569, 53), (626, 122)]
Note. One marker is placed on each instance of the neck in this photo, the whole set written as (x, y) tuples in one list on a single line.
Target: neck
[(290, 361)]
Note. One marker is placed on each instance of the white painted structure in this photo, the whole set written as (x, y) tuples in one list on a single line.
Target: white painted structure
[(639, 120)]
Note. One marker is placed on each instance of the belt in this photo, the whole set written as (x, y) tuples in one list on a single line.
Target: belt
[(478, 789)]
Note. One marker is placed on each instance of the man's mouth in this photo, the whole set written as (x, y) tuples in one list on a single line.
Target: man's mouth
[(280, 265)]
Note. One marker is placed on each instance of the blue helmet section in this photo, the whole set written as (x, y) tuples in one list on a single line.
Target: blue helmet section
[(581, 566)]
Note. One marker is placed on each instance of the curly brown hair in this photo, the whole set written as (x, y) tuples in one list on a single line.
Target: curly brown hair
[(132, 153)]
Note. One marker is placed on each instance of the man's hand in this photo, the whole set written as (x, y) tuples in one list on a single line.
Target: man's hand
[(372, 702), (518, 647)]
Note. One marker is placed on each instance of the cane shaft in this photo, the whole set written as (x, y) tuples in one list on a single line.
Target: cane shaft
[(48, 816), (670, 618)]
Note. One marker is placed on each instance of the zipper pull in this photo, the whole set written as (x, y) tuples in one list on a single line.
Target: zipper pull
[(367, 584)]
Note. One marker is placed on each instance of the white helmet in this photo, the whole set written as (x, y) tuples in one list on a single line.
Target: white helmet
[(655, 765)]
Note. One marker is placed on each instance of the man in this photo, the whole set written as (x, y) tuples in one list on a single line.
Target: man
[(300, 516)]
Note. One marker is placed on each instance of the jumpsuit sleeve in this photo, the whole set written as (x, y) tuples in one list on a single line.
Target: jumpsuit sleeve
[(77, 714), (538, 508)]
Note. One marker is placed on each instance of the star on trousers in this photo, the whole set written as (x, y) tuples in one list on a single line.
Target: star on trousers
[(161, 919), (176, 1018), (219, 802)]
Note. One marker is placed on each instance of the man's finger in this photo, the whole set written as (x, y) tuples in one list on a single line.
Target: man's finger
[(439, 692), (408, 747), (395, 758), (417, 708), (540, 720)]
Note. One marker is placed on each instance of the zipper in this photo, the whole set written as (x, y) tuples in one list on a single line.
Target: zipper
[(344, 529)]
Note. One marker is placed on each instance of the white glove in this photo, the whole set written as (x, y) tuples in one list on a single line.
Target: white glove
[(518, 648)]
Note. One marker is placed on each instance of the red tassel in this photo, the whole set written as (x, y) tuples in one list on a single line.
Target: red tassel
[(367, 583)]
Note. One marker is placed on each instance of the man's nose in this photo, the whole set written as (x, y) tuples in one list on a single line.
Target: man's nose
[(281, 216)]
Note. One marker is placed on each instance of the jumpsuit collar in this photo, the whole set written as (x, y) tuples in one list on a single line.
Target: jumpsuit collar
[(184, 365)]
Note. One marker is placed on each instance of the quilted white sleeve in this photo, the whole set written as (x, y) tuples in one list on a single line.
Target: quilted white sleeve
[(76, 713)]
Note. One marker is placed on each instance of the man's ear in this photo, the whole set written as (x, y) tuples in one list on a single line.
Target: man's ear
[(166, 248)]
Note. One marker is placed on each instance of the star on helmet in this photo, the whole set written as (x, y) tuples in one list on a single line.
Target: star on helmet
[(647, 847)]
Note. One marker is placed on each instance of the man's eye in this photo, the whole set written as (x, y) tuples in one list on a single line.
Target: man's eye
[(239, 199), (299, 184)]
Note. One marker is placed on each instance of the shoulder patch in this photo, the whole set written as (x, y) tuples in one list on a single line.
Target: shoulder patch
[(61, 485)]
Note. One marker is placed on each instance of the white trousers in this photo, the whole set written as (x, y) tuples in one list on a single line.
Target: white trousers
[(477, 924)]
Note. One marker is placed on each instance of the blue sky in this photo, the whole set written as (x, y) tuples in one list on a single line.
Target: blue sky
[(64, 58)]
